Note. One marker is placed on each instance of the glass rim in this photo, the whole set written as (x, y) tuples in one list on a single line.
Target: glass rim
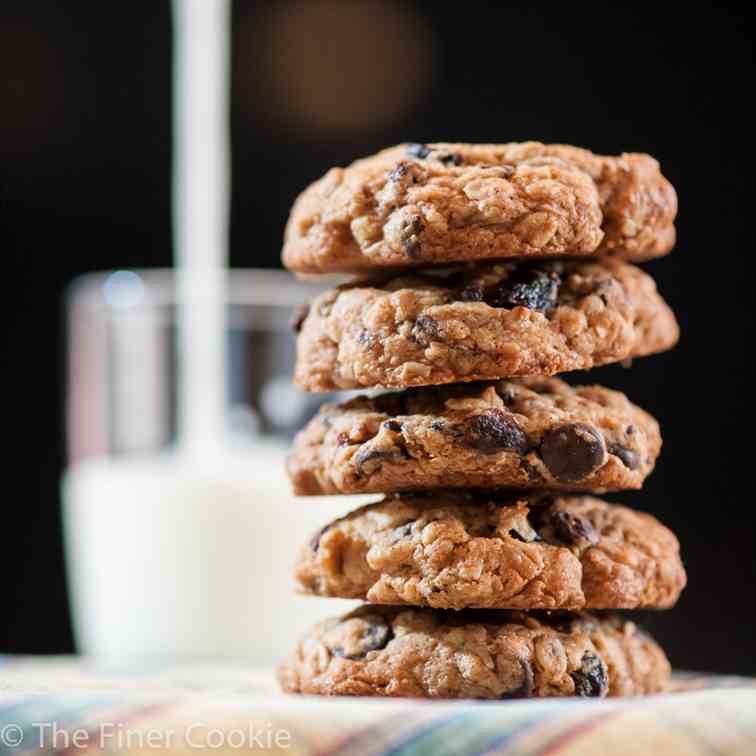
[(156, 287)]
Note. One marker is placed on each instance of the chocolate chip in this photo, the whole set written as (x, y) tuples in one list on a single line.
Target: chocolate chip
[(298, 317), (439, 425), (418, 150), (451, 158), (572, 452), (630, 458), (590, 680), (494, 431), (314, 542), (393, 425), (375, 637), (536, 289), (526, 687), (571, 529)]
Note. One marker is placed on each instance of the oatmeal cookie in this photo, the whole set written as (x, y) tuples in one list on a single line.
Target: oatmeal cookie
[(481, 321), (495, 654), (418, 204), (522, 433), (456, 550)]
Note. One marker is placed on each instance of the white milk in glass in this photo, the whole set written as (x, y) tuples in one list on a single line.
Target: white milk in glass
[(173, 558)]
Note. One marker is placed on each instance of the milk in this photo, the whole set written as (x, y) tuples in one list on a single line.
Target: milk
[(171, 557)]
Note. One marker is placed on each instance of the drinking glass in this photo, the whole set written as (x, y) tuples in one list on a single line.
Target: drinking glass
[(169, 554)]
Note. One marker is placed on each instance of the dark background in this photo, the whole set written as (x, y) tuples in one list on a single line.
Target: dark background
[(85, 93)]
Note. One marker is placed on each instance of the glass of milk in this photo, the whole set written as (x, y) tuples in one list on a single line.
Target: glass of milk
[(174, 555)]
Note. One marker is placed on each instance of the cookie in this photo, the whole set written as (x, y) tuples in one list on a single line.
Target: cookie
[(481, 321), (523, 433), (495, 654), (434, 204), (457, 550)]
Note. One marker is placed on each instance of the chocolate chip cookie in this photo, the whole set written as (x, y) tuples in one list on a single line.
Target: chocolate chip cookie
[(495, 654), (481, 321), (418, 204), (456, 550), (522, 433)]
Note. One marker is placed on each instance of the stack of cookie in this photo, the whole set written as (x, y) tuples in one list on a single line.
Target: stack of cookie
[(486, 270)]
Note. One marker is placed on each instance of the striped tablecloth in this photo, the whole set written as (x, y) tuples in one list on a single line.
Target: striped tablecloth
[(66, 706)]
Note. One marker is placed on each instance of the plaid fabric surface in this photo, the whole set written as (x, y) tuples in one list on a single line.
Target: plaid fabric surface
[(66, 706)]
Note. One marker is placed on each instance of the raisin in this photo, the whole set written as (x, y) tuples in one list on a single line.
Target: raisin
[(590, 680), (425, 329), (374, 637), (536, 289), (367, 454)]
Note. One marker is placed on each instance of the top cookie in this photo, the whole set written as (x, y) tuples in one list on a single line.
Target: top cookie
[(433, 204)]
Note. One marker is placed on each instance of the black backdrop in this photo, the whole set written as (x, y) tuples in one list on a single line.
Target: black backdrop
[(85, 158)]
